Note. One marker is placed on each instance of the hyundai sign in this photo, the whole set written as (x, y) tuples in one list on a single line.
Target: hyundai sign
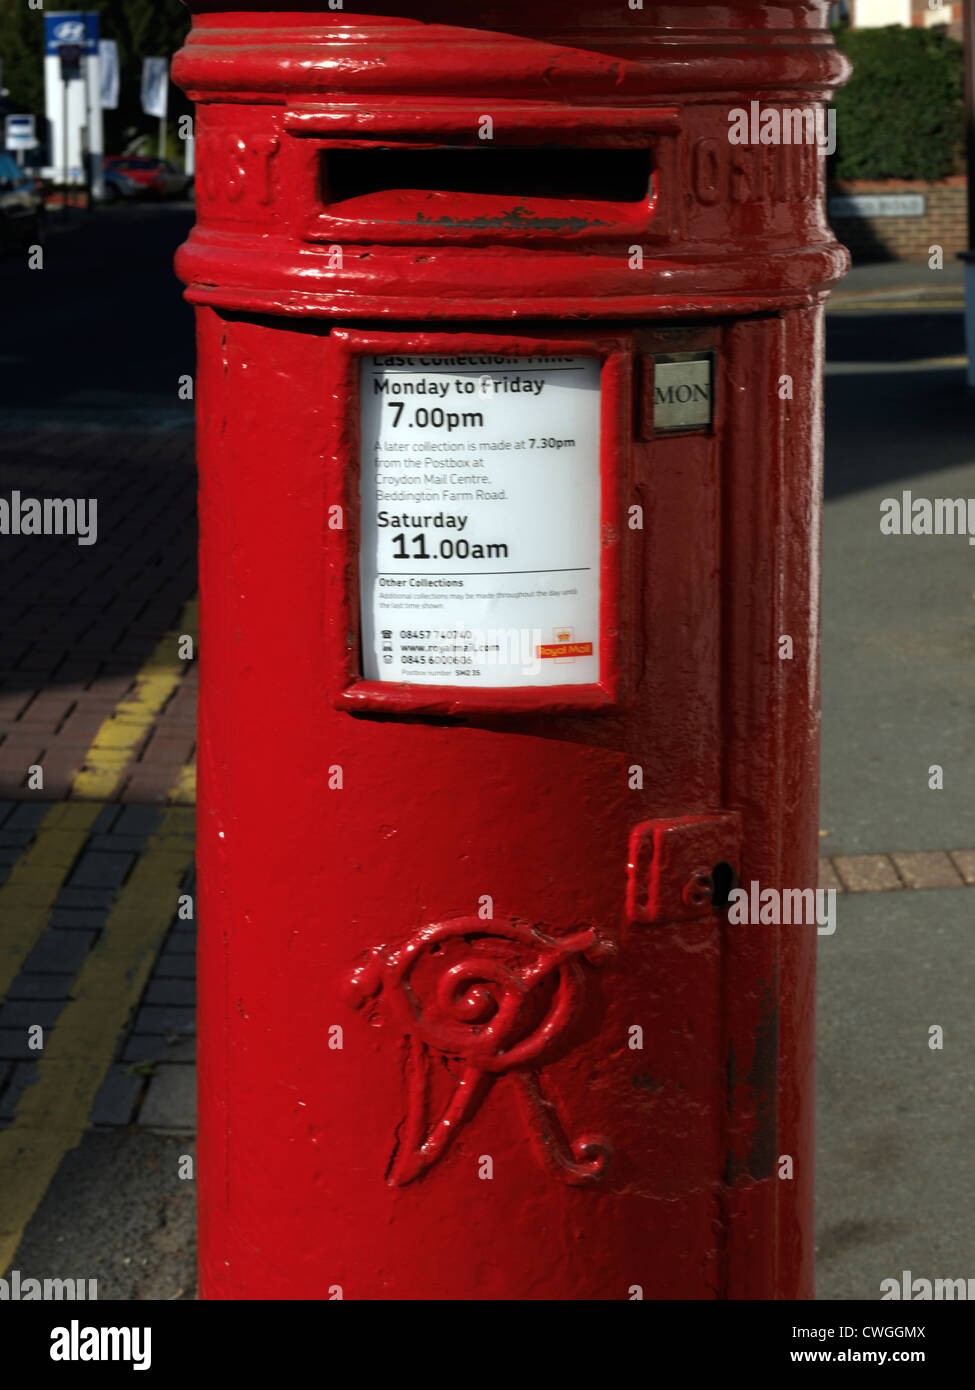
[(70, 27)]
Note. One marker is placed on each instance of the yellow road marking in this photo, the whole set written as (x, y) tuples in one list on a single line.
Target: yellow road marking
[(52, 1115), (117, 738), (184, 792), (29, 894)]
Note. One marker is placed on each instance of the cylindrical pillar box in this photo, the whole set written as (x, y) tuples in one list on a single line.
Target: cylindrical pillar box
[(510, 344)]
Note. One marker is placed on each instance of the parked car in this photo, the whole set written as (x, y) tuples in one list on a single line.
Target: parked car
[(155, 178), (21, 205), (119, 186)]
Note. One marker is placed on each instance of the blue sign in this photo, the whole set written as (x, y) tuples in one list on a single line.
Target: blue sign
[(70, 26), (20, 131)]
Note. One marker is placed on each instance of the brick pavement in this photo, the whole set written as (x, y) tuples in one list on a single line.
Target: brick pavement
[(81, 620), (96, 967), (884, 873), (150, 1078)]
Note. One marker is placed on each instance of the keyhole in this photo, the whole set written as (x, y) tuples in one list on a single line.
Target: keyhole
[(725, 880)]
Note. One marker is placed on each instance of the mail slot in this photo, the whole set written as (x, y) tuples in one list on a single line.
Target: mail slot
[(509, 442)]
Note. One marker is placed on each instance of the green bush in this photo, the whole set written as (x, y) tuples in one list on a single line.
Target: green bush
[(901, 115)]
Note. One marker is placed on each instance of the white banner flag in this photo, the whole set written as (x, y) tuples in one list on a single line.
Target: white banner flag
[(155, 86), (108, 61)]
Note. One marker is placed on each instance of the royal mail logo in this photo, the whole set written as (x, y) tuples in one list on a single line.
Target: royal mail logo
[(564, 648), (561, 650)]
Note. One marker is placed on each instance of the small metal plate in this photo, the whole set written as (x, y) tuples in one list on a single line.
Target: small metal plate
[(682, 391), (671, 862)]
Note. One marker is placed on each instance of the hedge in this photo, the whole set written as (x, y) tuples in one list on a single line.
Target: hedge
[(901, 115)]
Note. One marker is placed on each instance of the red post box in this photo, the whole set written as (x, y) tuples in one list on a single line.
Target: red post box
[(510, 338)]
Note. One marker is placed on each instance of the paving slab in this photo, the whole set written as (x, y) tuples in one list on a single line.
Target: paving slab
[(118, 1096), (898, 612), (867, 873), (154, 1047), (170, 1102), (895, 1118), (59, 952), (931, 869), (118, 1212), (964, 862)]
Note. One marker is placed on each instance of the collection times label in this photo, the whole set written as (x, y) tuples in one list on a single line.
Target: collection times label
[(479, 561)]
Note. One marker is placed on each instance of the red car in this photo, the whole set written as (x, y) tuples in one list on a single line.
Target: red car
[(156, 178)]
